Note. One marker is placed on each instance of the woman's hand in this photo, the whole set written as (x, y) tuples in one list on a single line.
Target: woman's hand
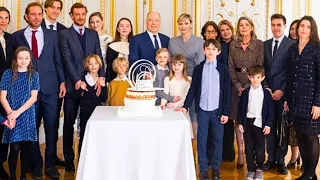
[(315, 112), (285, 106), (240, 90)]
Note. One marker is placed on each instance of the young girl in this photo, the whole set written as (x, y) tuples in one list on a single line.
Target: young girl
[(89, 99), (19, 90), (118, 86), (177, 83)]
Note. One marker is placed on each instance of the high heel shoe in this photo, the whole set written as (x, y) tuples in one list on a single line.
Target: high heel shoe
[(292, 165)]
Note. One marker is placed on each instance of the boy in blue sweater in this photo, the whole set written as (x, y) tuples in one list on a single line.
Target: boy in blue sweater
[(255, 116), (211, 90)]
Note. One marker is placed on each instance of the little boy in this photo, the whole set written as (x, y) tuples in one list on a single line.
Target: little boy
[(211, 90), (162, 58), (118, 86), (255, 116)]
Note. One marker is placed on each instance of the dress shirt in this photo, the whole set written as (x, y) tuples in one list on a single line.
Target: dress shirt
[(122, 79), (39, 36), (152, 39), (274, 43), (255, 103), (210, 89), (3, 44), (77, 28), (161, 68), (49, 23)]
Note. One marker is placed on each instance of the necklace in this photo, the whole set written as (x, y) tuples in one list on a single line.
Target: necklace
[(245, 43)]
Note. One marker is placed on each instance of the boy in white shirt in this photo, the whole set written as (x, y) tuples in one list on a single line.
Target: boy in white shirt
[(255, 116)]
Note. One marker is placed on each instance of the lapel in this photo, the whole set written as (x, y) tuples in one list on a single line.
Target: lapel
[(45, 41), (23, 38), (269, 49), (88, 39), (282, 44), (148, 40), (74, 36)]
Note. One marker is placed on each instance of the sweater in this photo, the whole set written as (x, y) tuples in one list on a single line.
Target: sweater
[(117, 92)]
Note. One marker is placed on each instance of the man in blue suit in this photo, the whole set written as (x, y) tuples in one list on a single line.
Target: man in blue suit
[(47, 62), (145, 45), (276, 50), (76, 43)]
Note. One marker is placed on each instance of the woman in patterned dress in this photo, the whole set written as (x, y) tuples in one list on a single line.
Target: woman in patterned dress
[(302, 93), (244, 52), (19, 90)]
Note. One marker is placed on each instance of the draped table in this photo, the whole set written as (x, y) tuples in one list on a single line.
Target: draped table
[(136, 148)]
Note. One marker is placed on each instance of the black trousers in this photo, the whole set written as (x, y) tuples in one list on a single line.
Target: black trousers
[(15, 148), (70, 108), (254, 146), (3, 147), (228, 141), (85, 113)]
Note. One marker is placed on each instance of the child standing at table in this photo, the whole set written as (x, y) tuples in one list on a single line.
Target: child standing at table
[(177, 83), (19, 90), (89, 100), (211, 90), (162, 58), (255, 116), (118, 86)]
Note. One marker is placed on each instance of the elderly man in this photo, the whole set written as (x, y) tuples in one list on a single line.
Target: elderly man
[(145, 45)]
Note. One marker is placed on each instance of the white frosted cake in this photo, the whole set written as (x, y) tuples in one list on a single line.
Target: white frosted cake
[(140, 99)]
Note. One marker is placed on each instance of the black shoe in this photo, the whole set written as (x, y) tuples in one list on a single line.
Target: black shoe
[(269, 165), (204, 176), (292, 165), (70, 168), (52, 173), (60, 162), (3, 173), (227, 159), (37, 174), (302, 168), (23, 178), (282, 169), (215, 175)]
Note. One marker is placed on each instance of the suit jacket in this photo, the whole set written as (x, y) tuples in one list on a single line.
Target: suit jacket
[(73, 56), (111, 55), (141, 47), (267, 109), (49, 64), (60, 26), (194, 92), (276, 67), (6, 60)]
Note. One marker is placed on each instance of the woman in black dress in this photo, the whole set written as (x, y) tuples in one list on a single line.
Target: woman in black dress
[(303, 93)]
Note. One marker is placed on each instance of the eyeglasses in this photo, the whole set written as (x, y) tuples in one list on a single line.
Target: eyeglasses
[(210, 32)]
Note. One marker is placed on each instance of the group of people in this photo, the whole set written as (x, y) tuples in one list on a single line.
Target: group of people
[(226, 82)]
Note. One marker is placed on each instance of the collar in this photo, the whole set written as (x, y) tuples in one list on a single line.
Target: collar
[(279, 39), (123, 79), (29, 29), (161, 68), (90, 79), (250, 46), (214, 63), (256, 89), (151, 34), (49, 23), (79, 27)]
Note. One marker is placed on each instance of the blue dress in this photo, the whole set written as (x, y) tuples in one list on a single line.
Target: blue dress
[(17, 94)]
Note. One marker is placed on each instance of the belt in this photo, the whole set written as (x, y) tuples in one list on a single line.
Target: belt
[(251, 119), (243, 70)]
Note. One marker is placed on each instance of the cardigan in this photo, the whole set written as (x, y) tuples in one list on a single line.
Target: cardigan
[(194, 92), (267, 113)]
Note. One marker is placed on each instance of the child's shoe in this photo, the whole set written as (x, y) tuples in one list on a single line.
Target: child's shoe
[(258, 175), (250, 175)]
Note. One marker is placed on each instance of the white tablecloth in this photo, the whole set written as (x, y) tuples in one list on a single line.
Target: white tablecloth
[(156, 148)]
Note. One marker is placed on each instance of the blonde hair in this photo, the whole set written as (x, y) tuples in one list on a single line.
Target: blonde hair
[(184, 16), (118, 61), (162, 50), (179, 58), (253, 32), (92, 56)]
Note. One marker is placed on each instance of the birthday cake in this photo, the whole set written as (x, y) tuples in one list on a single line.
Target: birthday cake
[(141, 96)]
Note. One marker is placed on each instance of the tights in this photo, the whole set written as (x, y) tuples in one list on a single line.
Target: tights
[(309, 150), (15, 148)]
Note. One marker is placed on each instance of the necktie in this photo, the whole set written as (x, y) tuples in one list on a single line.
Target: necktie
[(275, 48), (51, 26), (80, 32), (156, 44), (34, 44)]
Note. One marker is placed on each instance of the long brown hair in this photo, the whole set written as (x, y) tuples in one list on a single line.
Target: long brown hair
[(15, 64), (117, 37), (314, 38), (179, 58)]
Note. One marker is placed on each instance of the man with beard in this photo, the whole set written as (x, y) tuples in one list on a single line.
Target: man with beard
[(76, 43), (47, 62)]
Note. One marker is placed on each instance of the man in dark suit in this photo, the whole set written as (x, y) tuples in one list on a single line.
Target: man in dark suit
[(76, 43), (53, 10), (47, 62), (276, 50), (145, 45), (6, 53)]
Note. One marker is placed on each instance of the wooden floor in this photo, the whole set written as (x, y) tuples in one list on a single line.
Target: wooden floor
[(228, 169)]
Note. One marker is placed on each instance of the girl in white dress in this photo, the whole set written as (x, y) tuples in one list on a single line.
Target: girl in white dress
[(177, 83)]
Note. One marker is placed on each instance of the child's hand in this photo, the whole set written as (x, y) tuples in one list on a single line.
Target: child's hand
[(102, 81), (7, 123), (266, 130), (83, 86), (78, 84), (98, 88), (184, 110), (285, 105), (224, 119), (171, 106), (240, 127), (176, 99), (240, 91), (162, 107), (13, 115)]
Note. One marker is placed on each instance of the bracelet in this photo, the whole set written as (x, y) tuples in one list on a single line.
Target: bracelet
[(9, 113)]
